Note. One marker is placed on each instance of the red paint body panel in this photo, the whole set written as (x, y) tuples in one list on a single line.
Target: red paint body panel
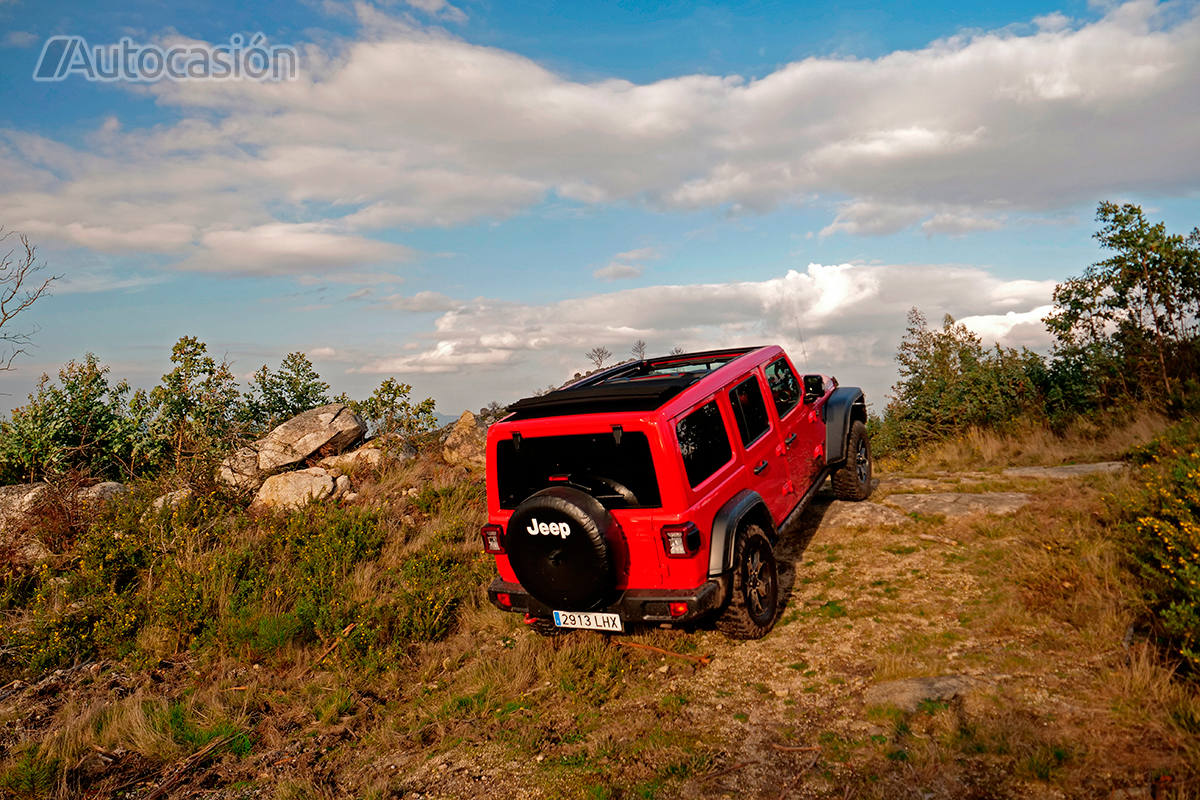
[(789, 473)]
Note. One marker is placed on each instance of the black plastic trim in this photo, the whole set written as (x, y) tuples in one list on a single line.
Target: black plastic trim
[(634, 605), (840, 410)]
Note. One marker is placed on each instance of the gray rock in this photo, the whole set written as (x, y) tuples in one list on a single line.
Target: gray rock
[(907, 694), (341, 486), (293, 490), (170, 500), (240, 470), (101, 492), (20, 499), (372, 455), (959, 504), (843, 514), (327, 430), (466, 444), (1065, 471)]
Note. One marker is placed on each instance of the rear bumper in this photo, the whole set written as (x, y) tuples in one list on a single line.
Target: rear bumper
[(634, 605)]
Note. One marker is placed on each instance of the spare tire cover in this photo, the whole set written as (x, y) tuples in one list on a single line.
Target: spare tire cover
[(557, 543)]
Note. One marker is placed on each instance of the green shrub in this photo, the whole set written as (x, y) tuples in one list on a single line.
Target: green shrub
[(80, 423), (1164, 518)]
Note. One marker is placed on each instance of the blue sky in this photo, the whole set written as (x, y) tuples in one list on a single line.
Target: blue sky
[(470, 196)]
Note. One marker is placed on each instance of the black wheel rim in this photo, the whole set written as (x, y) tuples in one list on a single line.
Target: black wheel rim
[(759, 582), (862, 462)]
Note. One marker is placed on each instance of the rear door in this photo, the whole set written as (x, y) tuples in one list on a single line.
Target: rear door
[(796, 428), (761, 445)]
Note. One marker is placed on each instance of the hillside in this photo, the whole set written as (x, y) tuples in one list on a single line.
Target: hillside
[(943, 652)]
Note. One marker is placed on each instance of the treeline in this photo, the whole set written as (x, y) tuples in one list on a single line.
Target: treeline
[(1125, 332), (85, 423)]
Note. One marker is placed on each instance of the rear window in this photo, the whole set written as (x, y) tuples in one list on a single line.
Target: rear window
[(618, 475), (703, 442)]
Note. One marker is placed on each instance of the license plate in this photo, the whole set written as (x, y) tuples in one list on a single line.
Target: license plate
[(591, 620)]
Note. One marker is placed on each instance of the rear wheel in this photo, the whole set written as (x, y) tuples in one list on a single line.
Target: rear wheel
[(852, 481), (754, 599)]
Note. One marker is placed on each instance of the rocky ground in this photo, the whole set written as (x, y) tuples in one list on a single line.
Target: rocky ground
[(955, 636)]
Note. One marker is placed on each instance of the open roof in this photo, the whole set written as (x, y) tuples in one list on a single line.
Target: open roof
[(632, 386)]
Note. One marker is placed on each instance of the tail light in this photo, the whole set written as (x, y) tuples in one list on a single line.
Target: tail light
[(677, 609), (504, 599), (681, 541), (493, 536)]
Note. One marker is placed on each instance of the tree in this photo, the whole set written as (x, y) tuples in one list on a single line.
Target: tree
[(639, 349), (276, 396), (197, 402), (80, 423), (598, 355), (949, 381), (390, 411), (1131, 319), (19, 289), (676, 350)]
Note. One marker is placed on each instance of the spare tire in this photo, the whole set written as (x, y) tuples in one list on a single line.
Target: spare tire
[(558, 546)]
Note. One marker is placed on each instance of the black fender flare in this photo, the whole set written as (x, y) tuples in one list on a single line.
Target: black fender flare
[(744, 506), (845, 406)]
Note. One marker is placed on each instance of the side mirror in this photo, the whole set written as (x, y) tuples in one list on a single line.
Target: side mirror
[(814, 388)]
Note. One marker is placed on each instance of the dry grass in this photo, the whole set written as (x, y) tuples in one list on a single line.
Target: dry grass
[(1084, 440)]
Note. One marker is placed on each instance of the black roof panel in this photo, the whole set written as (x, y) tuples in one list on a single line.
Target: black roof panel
[(632, 386)]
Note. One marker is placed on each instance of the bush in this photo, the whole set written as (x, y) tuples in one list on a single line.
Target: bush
[(1164, 518), (949, 382), (81, 423)]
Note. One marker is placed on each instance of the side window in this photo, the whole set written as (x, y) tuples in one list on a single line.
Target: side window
[(703, 442), (749, 410), (785, 389)]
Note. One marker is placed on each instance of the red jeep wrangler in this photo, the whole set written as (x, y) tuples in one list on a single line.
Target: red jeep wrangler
[(655, 490)]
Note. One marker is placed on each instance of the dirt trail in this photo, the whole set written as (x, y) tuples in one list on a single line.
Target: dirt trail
[(1037, 694)]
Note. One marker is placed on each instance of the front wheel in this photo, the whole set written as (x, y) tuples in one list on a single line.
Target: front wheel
[(754, 602), (852, 481)]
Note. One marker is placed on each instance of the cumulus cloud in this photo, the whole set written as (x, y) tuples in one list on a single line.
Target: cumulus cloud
[(281, 248), (626, 265), (421, 301), (845, 318), (405, 127)]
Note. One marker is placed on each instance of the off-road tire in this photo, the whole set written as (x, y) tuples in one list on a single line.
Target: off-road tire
[(754, 595), (575, 572), (852, 481)]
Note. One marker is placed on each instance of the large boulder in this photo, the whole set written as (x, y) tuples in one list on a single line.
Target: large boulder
[(293, 490), (325, 430), (101, 492), (20, 499), (466, 444), (19, 547), (372, 455)]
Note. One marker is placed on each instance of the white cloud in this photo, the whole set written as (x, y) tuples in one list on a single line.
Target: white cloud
[(844, 318), (421, 301), (615, 270), (439, 8), (19, 39), (280, 248), (626, 265), (405, 127)]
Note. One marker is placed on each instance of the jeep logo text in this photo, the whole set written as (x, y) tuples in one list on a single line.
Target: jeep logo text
[(559, 529)]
